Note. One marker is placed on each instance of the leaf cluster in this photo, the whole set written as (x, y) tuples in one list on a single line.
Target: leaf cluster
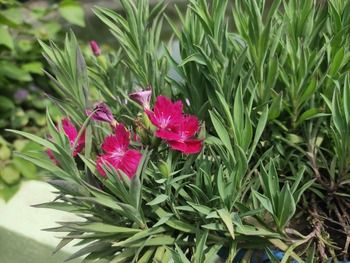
[(269, 80)]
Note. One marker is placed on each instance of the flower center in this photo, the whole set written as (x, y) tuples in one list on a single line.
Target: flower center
[(183, 136), (164, 121), (117, 153)]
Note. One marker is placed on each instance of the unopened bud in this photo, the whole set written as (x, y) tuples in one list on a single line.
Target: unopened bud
[(95, 48), (164, 169)]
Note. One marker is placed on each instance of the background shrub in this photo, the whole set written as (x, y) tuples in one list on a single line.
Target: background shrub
[(22, 83)]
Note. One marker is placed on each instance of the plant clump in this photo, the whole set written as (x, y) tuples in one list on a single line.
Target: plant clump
[(257, 159)]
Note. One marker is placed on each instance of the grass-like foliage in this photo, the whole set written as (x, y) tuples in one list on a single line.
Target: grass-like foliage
[(269, 83)]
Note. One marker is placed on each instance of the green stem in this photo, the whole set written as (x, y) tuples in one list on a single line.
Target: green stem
[(82, 129)]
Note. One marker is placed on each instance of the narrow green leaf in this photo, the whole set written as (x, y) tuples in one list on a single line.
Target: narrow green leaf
[(179, 256), (264, 201), (159, 199), (259, 131), (201, 239), (227, 219), (36, 139), (222, 132), (103, 228)]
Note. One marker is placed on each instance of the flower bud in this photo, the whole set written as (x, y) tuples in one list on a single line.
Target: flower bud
[(142, 135), (164, 168), (95, 48), (101, 112), (146, 122), (142, 97)]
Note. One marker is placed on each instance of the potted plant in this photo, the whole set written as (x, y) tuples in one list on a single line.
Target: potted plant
[(238, 145)]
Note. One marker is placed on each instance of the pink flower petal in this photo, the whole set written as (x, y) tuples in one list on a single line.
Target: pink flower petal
[(166, 114), (69, 130), (72, 133), (130, 162), (189, 126), (51, 156), (114, 160), (152, 117), (113, 144), (186, 129), (188, 147), (117, 154), (168, 135), (122, 135), (118, 142), (108, 160), (164, 106)]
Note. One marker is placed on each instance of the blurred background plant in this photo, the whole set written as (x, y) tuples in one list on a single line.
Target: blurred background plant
[(22, 82)]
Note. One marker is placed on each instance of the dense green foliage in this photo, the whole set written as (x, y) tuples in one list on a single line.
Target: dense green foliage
[(271, 85), (22, 81)]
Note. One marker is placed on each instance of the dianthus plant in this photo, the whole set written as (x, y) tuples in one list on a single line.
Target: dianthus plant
[(232, 138)]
